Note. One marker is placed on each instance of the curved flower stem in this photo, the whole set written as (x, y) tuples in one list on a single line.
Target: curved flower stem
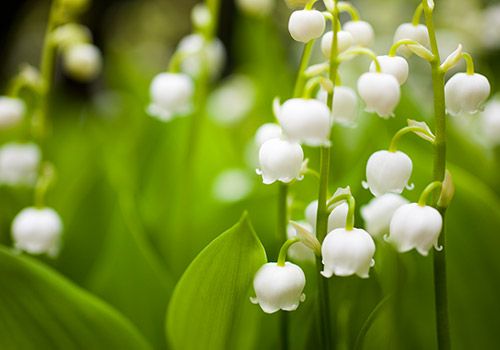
[(440, 282), (304, 62), (394, 48), (351, 202), (284, 250), (349, 8), (469, 61), (406, 130), (361, 51), (418, 14), (427, 191)]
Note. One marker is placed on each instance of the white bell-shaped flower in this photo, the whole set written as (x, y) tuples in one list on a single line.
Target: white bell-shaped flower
[(197, 54), (306, 25), (171, 95), (347, 252), (82, 62), (377, 214), (418, 33), (299, 251), (311, 213), (280, 160), (19, 164), (490, 123), (394, 65), (361, 31), (258, 8), (305, 120), (415, 227), (466, 93), (11, 111), (336, 219), (344, 41), (37, 231), (388, 172), (267, 132), (279, 287), (380, 92), (345, 105)]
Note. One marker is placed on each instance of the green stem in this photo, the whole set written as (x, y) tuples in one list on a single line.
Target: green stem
[(351, 202), (349, 8), (361, 51), (440, 278), (469, 61), (408, 129), (282, 212), (304, 63), (399, 43), (417, 15), (427, 191), (284, 250)]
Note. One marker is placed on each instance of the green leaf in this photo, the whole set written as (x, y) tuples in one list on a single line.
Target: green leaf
[(208, 304), (41, 310)]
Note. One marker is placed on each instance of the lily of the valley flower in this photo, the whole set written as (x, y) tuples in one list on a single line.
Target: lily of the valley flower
[(361, 31), (197, 54), (394, 65), (380, 92), (82, 62), (490, 123), (466, 93), (415, 227), (306, 25), (279, 287), (171, 95), (418, 33), (347, 252), (344, 41), (388, 172), (305, 120), (378, 213), (280, 160), (267, 132), (336, 219), (11, 111), (345, 105), (37, 231), (299, 251), (19, 164)]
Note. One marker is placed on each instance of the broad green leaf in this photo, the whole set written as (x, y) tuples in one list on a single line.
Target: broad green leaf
[(41, 310), (211, 297)]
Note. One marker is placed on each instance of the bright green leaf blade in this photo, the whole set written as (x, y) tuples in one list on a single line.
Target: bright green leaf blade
[(212, 295), (41, 310)]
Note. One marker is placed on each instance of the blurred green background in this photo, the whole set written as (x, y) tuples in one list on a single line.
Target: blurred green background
[(128, 235)]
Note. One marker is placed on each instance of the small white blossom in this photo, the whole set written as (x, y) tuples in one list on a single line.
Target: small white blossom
[(299, 251), (380, 92), (305, 120), (394, 65), (388, 172), (466, 93), (345, 105), (171, 95), (280, 160), (279, 287), (490, 123), (306, 25), (336, 219), (232, 185), (378, 213), (361, 31), (344, 41), (19, 164), (37, 231), (196, 53), (418, 33), (415, 227), (346, 253), (267, 132), (11, 111), (82, 62), (256, 7)]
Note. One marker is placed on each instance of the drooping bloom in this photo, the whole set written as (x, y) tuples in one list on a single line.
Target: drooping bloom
[(361, 31), (197, 54), (171, 95), (267, 132), (37, 231), (19, 164), (490, 123), (279, 287), (280, 160), (336, 219), (415, 227), (299, 251), (380, 92), (82, 62), (378, 213), (306, 25), (418, 33), (346, 253), (11, 111), (388, 172), (345, 105), (466, 93), (344, 41), (394, 65)]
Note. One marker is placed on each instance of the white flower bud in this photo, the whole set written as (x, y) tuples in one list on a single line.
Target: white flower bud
[(465, 93), (490, 123), (82, 62), (344, 41), (11, 111), (19, 164), (197, 53), (414, 226), (394, 65), (279, 287), (380, 92), (346, 253), (306, 25), (232, 185), (267, 132), (201, 16), (259, 8), (311, 212), (305, 120), (345, 105), (388, 172), (171, 95), (37, 231), (336, 219), (418, 33), (361, 31), (299, 251), (378, 213), (280, 160)]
